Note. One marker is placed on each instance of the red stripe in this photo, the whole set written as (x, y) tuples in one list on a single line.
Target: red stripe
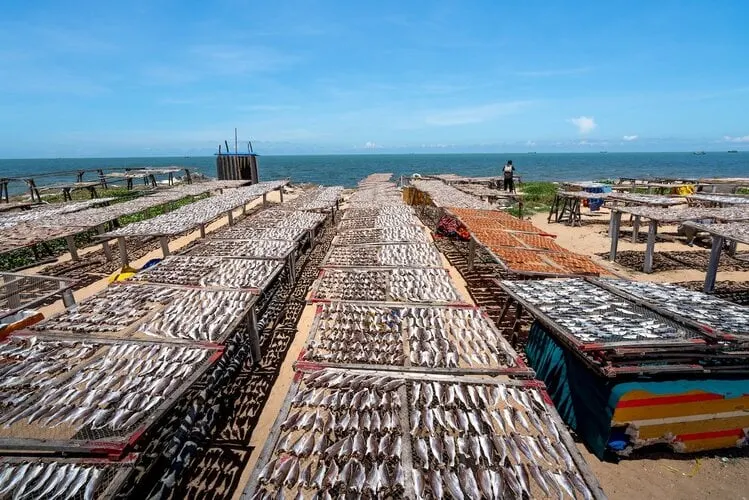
[(668, 400), (710, 435)]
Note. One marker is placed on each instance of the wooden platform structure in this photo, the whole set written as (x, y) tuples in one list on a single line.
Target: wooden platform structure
[(731, 233), (566, 206), (664, 215)]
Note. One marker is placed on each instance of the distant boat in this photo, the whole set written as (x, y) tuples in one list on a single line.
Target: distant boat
[(699, 153), (603, 152), (733, 151)]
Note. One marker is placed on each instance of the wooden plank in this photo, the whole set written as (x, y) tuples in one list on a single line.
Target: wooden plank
[(615, 223)]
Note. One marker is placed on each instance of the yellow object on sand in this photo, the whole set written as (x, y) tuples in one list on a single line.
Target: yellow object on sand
[(125, 273), (685, 190)]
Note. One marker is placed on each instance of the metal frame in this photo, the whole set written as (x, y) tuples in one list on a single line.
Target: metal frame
[(520, 370), (8, 290), (114, 445), (406, 460)]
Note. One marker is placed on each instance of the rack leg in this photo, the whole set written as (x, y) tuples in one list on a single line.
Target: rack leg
[(123, 251), (647, 266), (712, 267), (164, 241), (231, 217), (280, 193), (104, 244), (616, 220), (202, 230), (471, 253), (72, 248), (254, 336), (635, 228)]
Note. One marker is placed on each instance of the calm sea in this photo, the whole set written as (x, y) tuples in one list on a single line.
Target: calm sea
[(348, 169)]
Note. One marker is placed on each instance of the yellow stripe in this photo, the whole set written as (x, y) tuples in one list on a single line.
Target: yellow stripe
[(678, 428), (678, 409)]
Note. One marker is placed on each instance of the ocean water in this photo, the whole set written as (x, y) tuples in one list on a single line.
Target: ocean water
[(348, 169)]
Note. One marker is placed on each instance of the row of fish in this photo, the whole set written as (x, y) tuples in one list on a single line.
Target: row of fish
[(50, 480), (445, 195), (592, 314), (245, 232), (715, 312), (379, 222), (319, 199), (367, 213), (202, 315), (401, 234), (438, 336), (255, 249), (109, 394), (396, 255), (210, 271), (353, 477), (466, 440), (203, 211), (277, 218), (111, 310)]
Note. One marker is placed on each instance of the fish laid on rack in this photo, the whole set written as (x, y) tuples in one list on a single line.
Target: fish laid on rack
[(379, 222), (403, 234), (488, 441), (50, 479), (717, 313), (368, 213), (396, 255), (376, 436), (245, 232), (438, 337), (108, 395), (260, 249), (592, 314), (382, 285), (342, 433), (276, 218), (210, 271)]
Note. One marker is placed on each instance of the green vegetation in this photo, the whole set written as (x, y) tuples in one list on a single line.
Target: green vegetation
[(537, 197)]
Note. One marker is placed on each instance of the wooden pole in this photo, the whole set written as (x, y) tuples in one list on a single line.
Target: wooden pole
[(635, 228), (280, 193), (164, 241), (616, 220), (712, 267), (202, 230), (104, 244), (123, 251), (471, 253), (72, 248), (231, 217), (650, 248), (254, 336)]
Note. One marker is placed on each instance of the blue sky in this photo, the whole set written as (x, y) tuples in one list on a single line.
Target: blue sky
[(175, 77)]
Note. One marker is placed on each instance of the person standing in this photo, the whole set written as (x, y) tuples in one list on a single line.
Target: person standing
[(509, 170)]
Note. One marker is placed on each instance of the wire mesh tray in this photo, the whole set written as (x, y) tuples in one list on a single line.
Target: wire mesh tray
[(379, 222), (593, 318), (418, 285), (153, 313), (46, 477), (399, 435), (713, 315), (243, 232), (404, 234), (249, 249), (221, 272), (275, 218), (368, 213), (393, 255), (408, 337), (91, 396)]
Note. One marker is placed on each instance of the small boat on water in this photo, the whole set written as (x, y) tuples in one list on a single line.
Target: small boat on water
[(699, 153), (733, 151)]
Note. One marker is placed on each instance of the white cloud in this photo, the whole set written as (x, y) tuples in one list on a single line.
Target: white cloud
[(370, 145), (728, 138), (584, 124), (474, 114), (629, 138), (530, 143)]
